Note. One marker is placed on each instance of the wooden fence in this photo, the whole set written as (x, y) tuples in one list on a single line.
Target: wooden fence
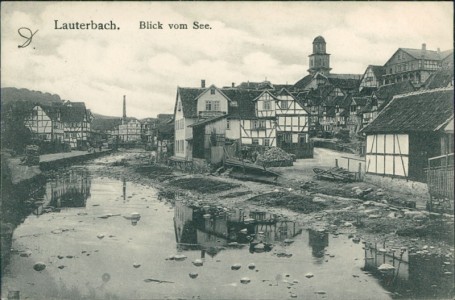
[(440, 183)]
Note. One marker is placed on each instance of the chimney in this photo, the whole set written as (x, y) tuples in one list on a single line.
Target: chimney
[(202, 83), (124, 106), (439, 50), (424, 47), (233, 84)]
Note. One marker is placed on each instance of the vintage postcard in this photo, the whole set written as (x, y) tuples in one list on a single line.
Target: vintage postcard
[(227, 150)]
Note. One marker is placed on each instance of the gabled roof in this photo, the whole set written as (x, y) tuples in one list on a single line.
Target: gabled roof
[(265, 92), (344, 82), (245, 108), (73, 112), (52, 110), (420, 53), (422, 111), (360, 101), (386, 92), (378, 71), (344, 102), (423, 54), (279, 87), (440, 79), (189, 105), (263, 85), (367, 91), (302, 83), (370, 105)]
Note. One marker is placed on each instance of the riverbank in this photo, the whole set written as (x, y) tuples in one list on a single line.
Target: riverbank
[(23, 189), (19, 172), (321, 228), (360, 210)]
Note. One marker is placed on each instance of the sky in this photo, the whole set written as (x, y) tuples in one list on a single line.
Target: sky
[(249, 41)]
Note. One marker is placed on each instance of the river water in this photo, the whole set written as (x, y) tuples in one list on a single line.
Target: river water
[(112, 238)]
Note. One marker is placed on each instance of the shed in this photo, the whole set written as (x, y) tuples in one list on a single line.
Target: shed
[(407, 132)]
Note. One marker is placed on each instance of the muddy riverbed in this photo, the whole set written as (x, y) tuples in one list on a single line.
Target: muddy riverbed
[(102, 231)]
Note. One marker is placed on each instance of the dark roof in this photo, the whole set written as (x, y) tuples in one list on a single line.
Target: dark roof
[(279, 87), (344, 83), (345, 113), (440, 79), (361, 101), (367, 91), (330, 111), (346, 102), (318, 39), (428, 54), (264, 85), (386, 92), (207, 121), (378, 71), (245, 105), (188, 96), (302, 83), (52, 110), (415, 112), (73, 112)]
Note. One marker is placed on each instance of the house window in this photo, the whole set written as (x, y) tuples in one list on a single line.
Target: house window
[(212, 91), (255, 142), (73, 135), (179, 106), (228, 124), (284, 104), (267, 105), (211, 105), (266, 142)]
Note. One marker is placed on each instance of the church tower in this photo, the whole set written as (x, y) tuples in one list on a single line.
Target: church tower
[(319, 60)]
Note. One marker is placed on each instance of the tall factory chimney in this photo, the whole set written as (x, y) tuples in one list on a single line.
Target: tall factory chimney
[(124, 106)]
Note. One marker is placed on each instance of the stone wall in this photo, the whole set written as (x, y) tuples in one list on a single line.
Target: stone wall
[(399, 185)]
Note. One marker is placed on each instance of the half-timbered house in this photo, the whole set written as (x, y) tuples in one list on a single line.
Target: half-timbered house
[(292, 121), (407, 132), (45, 123), (210, 117), (76, 120), (415, 65), (372, 78)]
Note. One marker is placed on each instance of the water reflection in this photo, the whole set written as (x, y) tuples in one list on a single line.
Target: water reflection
[(318, 241), (212, 228), (124, 189), (416, 275), (70, 189)]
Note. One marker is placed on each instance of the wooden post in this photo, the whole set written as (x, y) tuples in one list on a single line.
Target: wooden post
[(336, 162), (348, 163), (360, 171), (383, 255)]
